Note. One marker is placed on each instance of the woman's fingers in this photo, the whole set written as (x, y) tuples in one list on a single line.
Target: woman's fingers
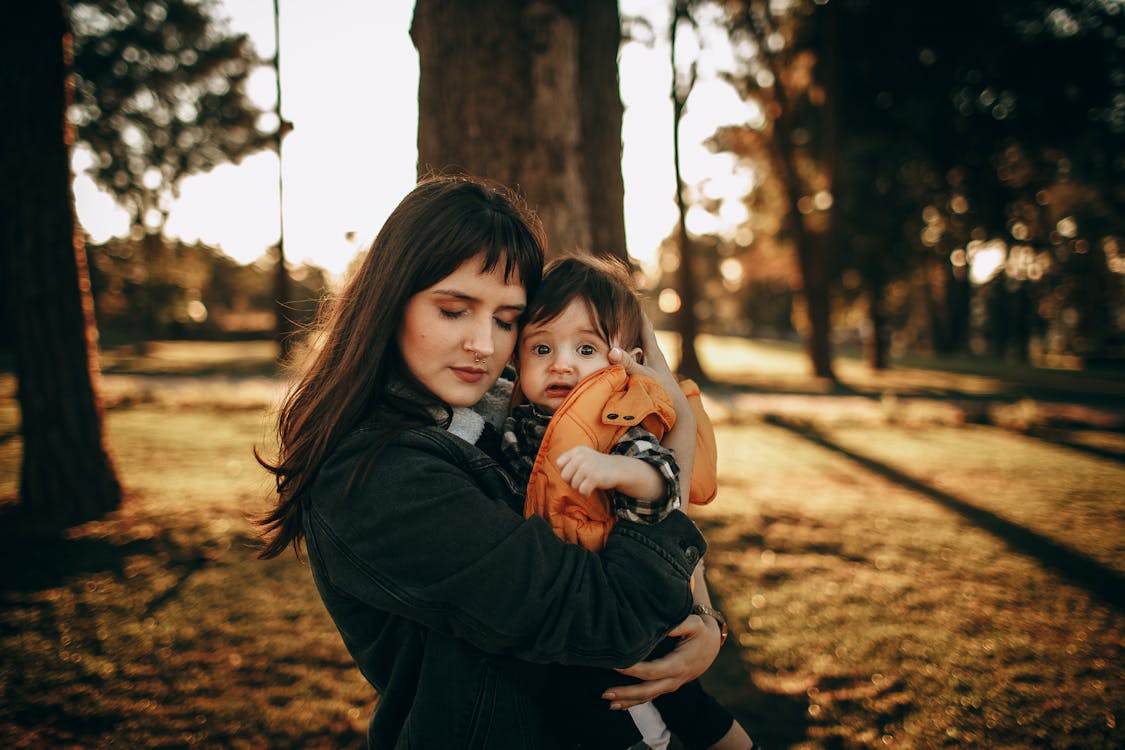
[(628, 696), (619, 356)]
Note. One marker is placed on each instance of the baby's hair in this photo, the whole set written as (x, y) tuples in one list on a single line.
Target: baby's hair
[(604, 284)]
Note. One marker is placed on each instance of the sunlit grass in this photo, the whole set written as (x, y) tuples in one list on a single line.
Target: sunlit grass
[(888, 619)]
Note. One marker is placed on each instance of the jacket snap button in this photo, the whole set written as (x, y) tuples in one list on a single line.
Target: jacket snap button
[(611, 416), (629, 417), (692, 554)]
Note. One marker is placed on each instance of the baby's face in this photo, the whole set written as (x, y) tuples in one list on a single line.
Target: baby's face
[(554, 356)]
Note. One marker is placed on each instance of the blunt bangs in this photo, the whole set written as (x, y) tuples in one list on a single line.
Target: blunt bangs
[(471, 223)]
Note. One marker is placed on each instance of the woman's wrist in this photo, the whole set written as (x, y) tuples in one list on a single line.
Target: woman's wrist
[(704, 610)]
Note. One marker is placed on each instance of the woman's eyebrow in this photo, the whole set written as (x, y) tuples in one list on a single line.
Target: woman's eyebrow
[(458, 294)]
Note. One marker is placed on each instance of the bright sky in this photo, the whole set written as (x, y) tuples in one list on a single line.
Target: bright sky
[(350, 86)]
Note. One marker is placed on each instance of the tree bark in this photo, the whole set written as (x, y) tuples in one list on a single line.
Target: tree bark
[(599, 98), (67, 475), (522, 92)]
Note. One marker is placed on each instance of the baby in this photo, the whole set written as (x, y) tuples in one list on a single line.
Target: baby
[(584, 440)]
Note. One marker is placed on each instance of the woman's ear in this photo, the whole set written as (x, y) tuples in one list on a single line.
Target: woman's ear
[(638, 354)]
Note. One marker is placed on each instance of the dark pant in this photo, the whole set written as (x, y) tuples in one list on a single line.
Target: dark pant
[(582, 715)]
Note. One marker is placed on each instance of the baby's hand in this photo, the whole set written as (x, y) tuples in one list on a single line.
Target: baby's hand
[(587, 470)]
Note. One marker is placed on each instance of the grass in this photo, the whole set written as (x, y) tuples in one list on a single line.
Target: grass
[(903, 562)]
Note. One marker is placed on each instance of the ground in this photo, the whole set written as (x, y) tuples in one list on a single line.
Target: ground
[(928, 557)]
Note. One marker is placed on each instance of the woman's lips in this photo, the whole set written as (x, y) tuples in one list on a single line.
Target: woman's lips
[(469, 374)]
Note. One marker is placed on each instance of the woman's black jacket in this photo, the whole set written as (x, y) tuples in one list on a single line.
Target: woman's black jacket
[(448, 599)]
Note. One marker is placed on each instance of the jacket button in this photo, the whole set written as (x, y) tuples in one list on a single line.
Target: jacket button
[(629, 417), (611, 416), (692, 554)]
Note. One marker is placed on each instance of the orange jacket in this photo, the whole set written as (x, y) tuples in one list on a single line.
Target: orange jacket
[(597, 413)]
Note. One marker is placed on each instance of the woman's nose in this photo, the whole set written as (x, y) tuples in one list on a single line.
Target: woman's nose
[(481, 341)]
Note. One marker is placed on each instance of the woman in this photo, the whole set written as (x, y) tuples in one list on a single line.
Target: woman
[(446, 597)]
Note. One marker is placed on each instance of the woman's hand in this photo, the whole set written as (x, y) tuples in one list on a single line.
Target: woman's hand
[(697, 648), (681, 438), (655, 363)]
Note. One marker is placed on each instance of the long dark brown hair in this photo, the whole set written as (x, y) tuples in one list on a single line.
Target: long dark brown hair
[(443, 222)]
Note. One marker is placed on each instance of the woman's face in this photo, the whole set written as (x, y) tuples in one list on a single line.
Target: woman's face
[(457, 335)]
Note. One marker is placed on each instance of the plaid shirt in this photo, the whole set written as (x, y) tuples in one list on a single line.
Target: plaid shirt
[(523, 434)]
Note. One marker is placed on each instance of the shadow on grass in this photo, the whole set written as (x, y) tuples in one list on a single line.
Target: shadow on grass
[(244, 367), (30, 564), (1062, 438), (1079, 569), (33, 563), (773, 720)]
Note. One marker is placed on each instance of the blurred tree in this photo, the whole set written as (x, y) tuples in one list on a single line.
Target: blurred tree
[(67, 475), (160, 94), (526, 93), (686, 322), (203, 294), (989, 119), (779, 70), (938, 145)]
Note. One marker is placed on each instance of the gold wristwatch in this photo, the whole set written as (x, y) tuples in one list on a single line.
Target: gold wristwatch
[(717, 616)]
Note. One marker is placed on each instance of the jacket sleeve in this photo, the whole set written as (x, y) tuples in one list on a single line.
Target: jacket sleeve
[(417, 536), (705, 470)]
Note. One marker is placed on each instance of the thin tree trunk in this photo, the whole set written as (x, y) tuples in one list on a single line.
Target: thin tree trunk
[(67, 475), (283, 323), (875, 343), (687, 325), (811, 254), (831, 241)]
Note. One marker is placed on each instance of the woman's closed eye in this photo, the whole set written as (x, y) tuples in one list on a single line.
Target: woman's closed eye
[(452, 314), (504, 325)]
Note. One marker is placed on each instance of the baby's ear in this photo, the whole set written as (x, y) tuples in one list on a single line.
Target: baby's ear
[(638, 354)]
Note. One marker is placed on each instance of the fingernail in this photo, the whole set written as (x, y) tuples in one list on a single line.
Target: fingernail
[(609, 696), (615, 706)]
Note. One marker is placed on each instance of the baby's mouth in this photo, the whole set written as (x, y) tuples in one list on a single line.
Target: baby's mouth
[(559, 391)]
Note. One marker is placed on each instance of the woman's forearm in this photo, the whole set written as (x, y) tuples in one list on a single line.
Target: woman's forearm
[(681, 439)]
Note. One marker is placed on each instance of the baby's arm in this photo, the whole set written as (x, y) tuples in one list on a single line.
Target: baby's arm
[(587, 470), (641, 474)]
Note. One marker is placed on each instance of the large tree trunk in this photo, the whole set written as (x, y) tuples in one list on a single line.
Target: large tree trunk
[(526, 94), (67, 475), (599, 97)]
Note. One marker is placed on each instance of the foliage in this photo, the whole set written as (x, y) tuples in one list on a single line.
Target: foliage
[(160, 94), (976, 174), (192, 290)]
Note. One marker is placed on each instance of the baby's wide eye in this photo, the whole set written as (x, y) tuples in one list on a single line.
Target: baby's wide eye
[(587, 350), (541, 349)]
